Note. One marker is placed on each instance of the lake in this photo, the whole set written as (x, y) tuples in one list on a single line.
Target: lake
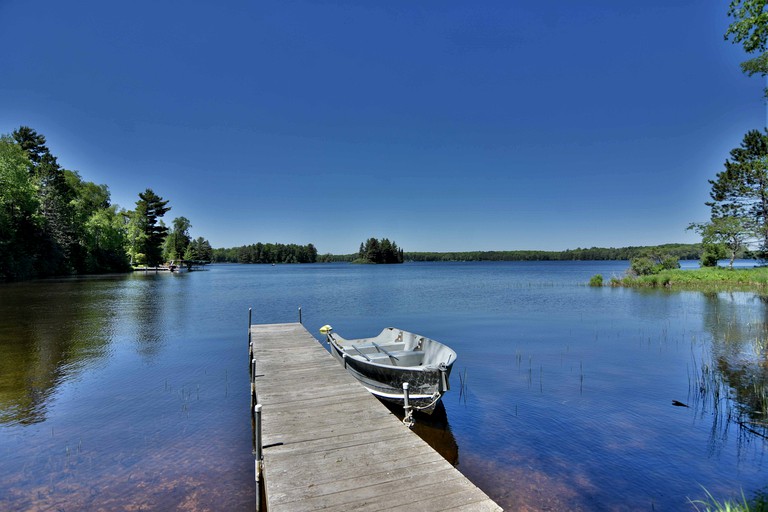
[(131, 391)]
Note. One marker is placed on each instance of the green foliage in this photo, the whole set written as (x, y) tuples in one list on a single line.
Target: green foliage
[(740, 197), (336, 258), (721, 237), (20, 224), (267, 253), (680, 251), (712, 254), (375, 251), (57, 244), (178, 240), (642, 266), (104, 242), (750, 29), (711, 504), (596, 280), (705, 278), (199, 250), (652, 262), (51, 221), (147, 233)]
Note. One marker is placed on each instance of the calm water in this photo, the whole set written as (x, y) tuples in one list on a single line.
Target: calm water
[(131, 392)]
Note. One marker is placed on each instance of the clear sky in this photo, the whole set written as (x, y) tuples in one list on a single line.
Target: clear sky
[(441, 125)]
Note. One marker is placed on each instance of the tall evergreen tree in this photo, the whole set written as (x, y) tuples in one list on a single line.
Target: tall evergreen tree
[(147, 232), (199, 250), (59, 243)]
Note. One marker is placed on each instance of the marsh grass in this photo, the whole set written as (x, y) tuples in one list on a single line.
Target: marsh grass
[(701, 279)]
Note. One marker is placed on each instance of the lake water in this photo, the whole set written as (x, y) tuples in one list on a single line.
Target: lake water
[(131, 391)]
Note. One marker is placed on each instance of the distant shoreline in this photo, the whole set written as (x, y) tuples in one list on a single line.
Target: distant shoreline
[(680, 251)]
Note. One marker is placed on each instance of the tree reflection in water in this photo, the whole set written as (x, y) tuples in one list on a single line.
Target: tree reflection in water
[(730, 384), (46, 338)]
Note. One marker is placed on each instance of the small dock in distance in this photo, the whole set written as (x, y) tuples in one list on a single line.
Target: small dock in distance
[(329, 444)]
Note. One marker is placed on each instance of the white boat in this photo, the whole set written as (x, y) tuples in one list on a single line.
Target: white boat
[(384, 363)]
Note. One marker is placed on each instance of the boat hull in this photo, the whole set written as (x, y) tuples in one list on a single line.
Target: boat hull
[(384, 373)]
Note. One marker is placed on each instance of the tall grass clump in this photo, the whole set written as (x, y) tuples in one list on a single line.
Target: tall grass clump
[(596, 280), (710, 504)]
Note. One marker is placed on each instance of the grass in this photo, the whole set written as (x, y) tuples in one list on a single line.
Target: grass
[(758, 504), (708, 278)]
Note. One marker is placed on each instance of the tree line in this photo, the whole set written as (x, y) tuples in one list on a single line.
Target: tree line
[(681, 251), (267, 253), (52, 222)]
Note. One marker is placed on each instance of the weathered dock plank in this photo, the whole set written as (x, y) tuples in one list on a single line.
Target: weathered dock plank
[(330, 445)]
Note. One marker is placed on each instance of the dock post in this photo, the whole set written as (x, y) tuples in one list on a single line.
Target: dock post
[(408, 420), (300, 315), (250, 342), (258, 454), (254, 399), (257, 448)]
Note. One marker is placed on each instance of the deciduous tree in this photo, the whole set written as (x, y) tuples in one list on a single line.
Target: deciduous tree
[(721, 237), (178, 239), (19, 223), (741, 190), (750, 29)]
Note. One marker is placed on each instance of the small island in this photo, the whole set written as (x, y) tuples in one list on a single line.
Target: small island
[(378, 252)]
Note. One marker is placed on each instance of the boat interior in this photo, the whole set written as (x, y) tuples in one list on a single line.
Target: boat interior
[(392, 354)]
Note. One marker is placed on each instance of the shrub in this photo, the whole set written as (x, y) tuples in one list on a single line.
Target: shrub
[(712, 254), (596, 280), (641, 266), (668, 263)]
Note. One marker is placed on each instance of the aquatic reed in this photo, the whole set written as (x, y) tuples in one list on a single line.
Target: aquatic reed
[(463, 386)]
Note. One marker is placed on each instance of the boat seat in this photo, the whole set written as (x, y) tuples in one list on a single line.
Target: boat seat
[(404, 358), (378, 358), (368, 349)]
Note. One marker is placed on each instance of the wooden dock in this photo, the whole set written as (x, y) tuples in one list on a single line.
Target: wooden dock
[(329, 444)]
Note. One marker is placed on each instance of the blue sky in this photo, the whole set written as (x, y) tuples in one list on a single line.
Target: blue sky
[(442, 125)]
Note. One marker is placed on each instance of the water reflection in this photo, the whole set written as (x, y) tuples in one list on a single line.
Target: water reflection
[(146, 299), (731, 383), (434, 429), (141, 381), (46, 338)]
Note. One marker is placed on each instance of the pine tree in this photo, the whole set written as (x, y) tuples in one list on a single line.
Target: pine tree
[(741, 190), (147, 232)]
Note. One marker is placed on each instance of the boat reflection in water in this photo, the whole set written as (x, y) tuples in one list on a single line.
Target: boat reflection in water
[(432, 428)]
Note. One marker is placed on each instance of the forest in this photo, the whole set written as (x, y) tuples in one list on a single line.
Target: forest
[(53, 223), (680, 251), (267, 253)]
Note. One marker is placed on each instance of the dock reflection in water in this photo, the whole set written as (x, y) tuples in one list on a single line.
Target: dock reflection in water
[(432, 428)]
